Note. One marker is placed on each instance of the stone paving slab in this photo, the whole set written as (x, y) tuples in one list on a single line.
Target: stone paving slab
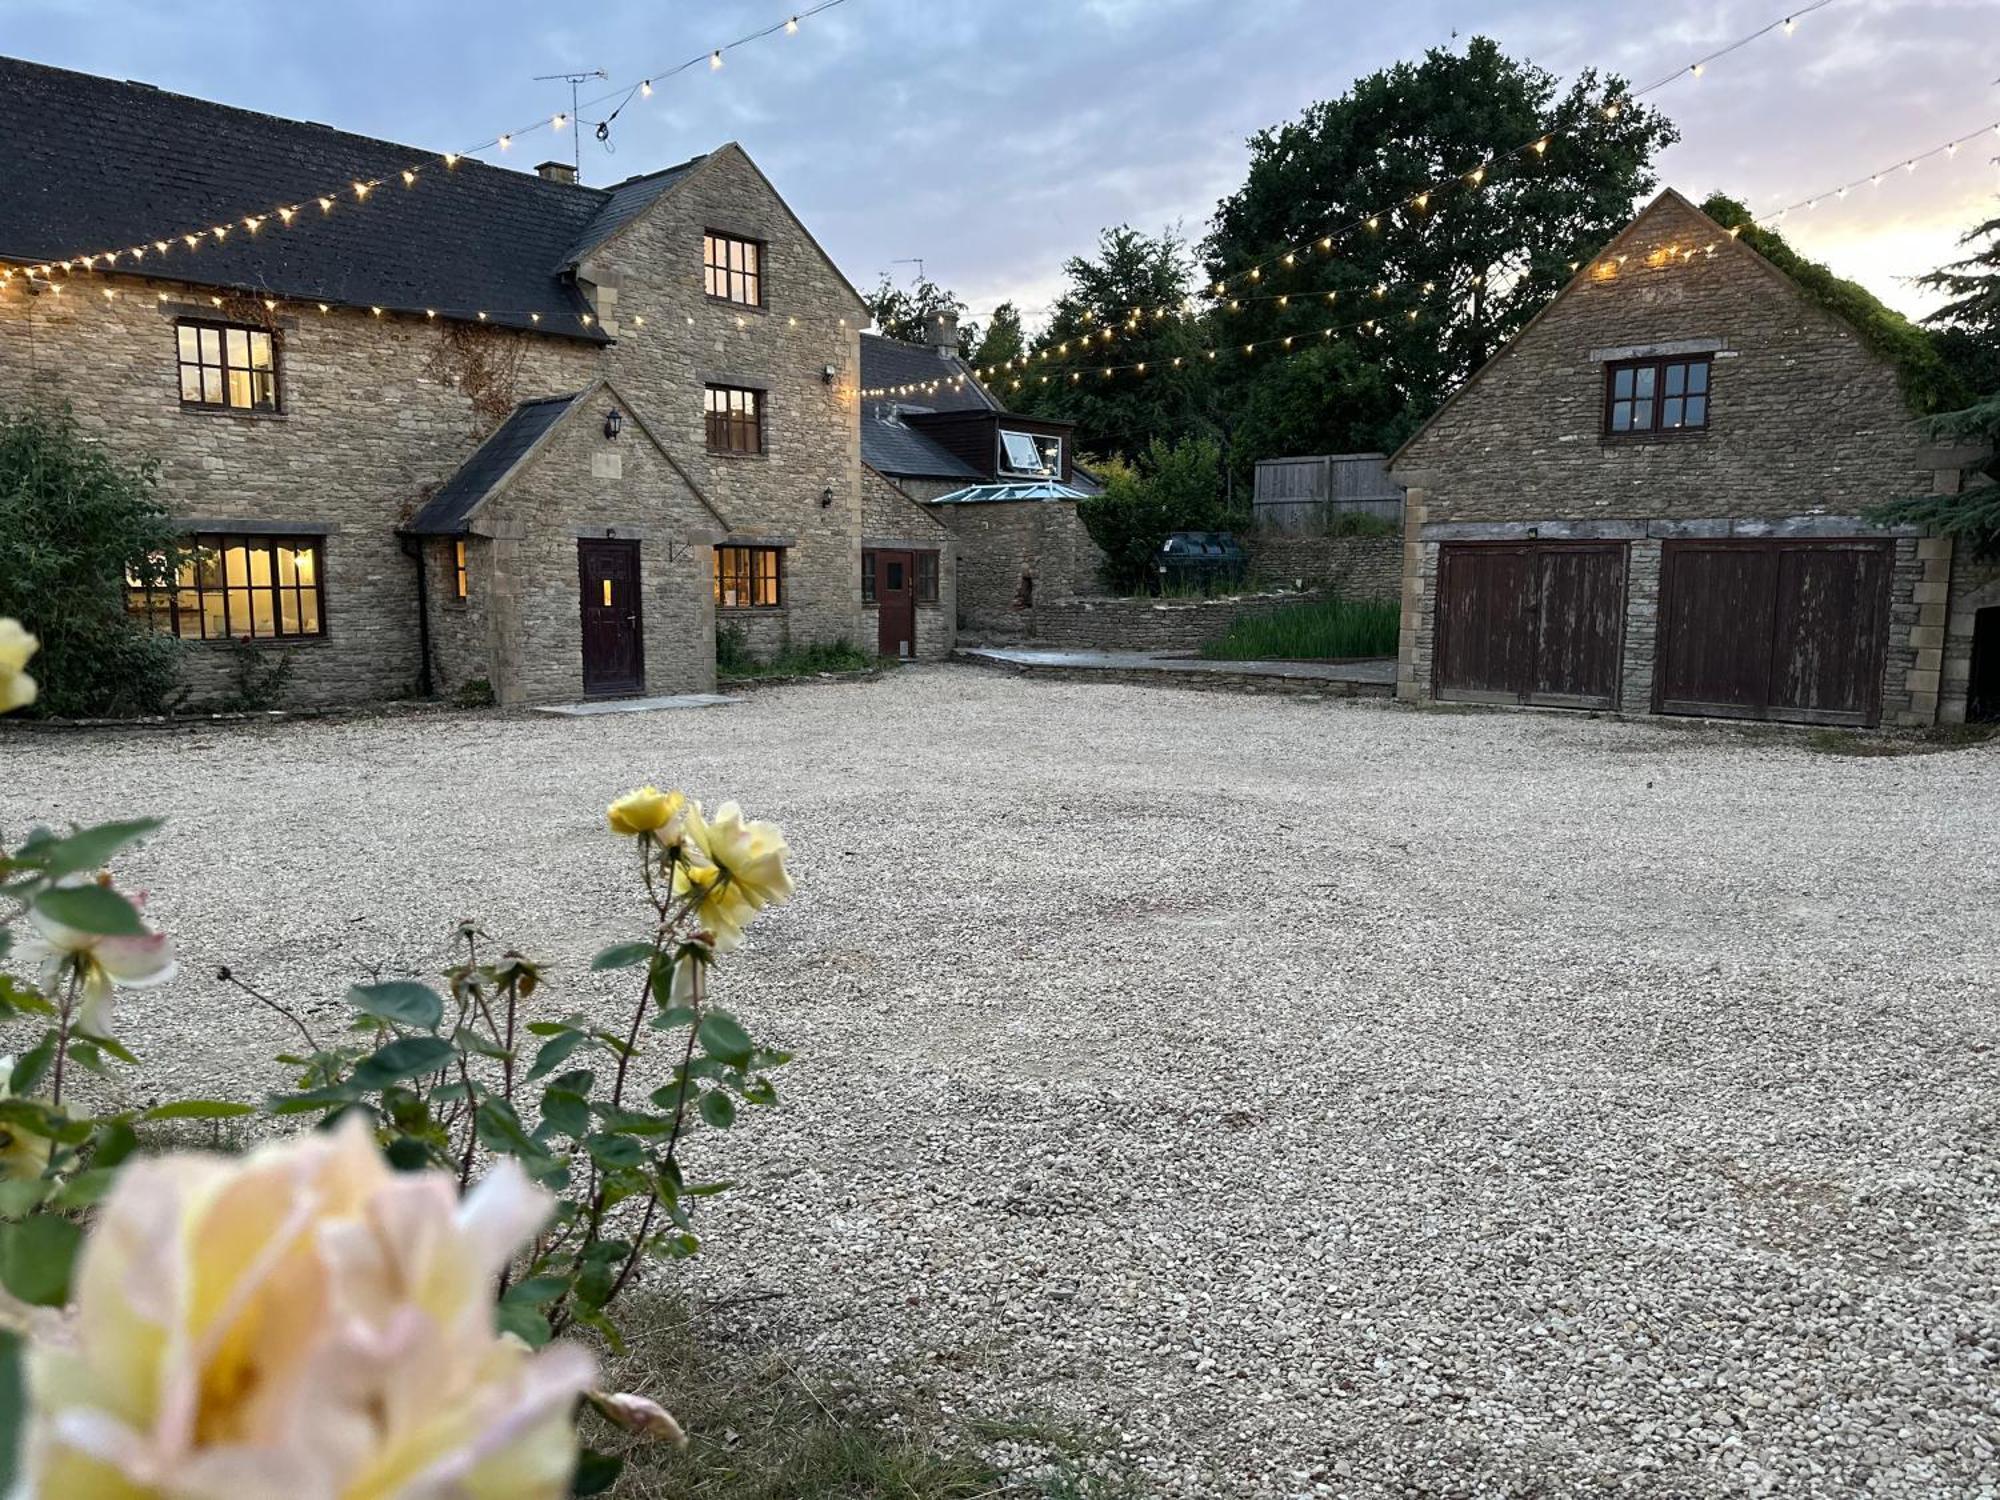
[(598, 706)]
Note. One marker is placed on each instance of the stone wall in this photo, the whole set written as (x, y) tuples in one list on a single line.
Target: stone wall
[(1178, 625), (891, 520), (376, 414), (1002, 542), (1345, 567), (1807, 429), (1975, 585)]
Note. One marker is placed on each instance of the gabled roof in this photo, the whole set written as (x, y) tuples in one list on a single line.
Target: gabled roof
[(446, 512), (887, 363), (889, 447), (1727, 243), (624, 202), (94, 165), (512, 447)]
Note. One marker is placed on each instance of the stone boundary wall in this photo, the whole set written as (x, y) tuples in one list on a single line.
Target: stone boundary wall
[(1345, 567), (1144, 624), (1199, 682)]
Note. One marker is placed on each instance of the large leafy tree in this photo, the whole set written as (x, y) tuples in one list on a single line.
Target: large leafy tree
[(1004, 340), (912, 313), (1524, 178), (1129, 304)]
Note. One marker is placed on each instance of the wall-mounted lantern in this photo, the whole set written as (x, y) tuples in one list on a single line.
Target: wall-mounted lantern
[(614, 422)]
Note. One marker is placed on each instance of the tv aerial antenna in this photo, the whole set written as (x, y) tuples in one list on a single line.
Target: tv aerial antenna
[(575, 81)]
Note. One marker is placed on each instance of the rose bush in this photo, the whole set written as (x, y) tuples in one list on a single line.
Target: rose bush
[(372, 1303)]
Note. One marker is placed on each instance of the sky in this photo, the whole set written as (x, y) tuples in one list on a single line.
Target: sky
[(995, 138)]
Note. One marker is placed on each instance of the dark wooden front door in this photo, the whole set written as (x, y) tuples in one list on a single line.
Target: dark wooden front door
[(1530, 622), (614, 658), (896, 603), (1773, 629)]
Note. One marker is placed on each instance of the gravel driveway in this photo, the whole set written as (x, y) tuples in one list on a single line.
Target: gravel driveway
[(1324, 1098)]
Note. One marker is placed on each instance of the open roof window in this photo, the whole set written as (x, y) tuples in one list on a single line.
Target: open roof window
[(1033, 454)]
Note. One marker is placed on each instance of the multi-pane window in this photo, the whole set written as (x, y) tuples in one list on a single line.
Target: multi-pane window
[(733, 269), (229, 366), (460, 585), (1656, 395), (927, 577), (1031, 453), (735, 420), (229, 587), (748, 577)]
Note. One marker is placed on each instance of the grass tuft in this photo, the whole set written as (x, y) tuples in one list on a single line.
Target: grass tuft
[(1321, 630), (734, 660), (1915, 742)]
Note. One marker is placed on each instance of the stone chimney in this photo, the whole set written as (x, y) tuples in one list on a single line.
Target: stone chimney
[(944, 336), (556, 171)]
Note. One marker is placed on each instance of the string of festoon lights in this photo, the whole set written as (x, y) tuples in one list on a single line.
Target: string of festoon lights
[(1875, 179), (298, 213), (1417, 206)]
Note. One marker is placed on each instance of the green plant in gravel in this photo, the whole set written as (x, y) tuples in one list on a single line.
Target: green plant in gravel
[(1321, 630), (332, 1281), (75, 524), (840, 655)]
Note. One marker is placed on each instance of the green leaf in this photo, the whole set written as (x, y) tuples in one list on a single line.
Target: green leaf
[(553, 1051), (536, 1291), (116, 1049), (115, 1142), (614, 1151), (86, 1188), (33, 1067), (90, 848), (13, 1410), (406, 1057), (199, 1109), (622, 956), (526, 1324), (721, 1037), (401, 1001), (718, 1109), (312, 1099), (18, 996), (94, 909), (500, 1129), (595, 1472), (35, 1258), (671, 1016), (21, 1196), (407, 1154), (37, 1118), (566, 1112)]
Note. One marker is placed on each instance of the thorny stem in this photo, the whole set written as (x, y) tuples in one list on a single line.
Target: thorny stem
[(62, 1034), (625, 1271), (229, 977)]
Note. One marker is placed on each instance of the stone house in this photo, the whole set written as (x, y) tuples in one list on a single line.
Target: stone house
[(435, 425), (1651, 501), (1002, 484)]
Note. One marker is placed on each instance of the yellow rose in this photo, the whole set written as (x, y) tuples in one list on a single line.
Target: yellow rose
[(301, 1322), (737, 866), (17, 688), (23, 1155), (648, 810)]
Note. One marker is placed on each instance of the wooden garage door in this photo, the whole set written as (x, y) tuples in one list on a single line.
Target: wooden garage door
[(1530, 622), (1771, 629)]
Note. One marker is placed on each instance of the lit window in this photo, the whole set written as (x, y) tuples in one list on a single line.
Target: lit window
[(458, 580), (1656, 395), (748, 577), (733, 269), (1031, 453), (227, 366), (735, 419), (232, 587)]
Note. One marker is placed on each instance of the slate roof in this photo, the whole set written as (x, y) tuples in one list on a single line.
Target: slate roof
[(891, 362), (446, 512), (888, 447), (92, 165)]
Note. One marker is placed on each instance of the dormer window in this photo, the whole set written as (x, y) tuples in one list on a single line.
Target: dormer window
[(1033, 455)]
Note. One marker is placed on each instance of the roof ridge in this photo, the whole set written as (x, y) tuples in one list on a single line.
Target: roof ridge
[(460, 160)]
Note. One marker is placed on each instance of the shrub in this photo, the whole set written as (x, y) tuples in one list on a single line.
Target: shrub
[(376, 1309), (74, 522), (1173, 487), (1323, 630)]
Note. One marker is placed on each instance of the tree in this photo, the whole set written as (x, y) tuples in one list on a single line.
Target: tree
[(1520, 180), (75, 523), (1172, 487), (1967, 332), (913, 315), (1004, 340), (1122, 308)]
